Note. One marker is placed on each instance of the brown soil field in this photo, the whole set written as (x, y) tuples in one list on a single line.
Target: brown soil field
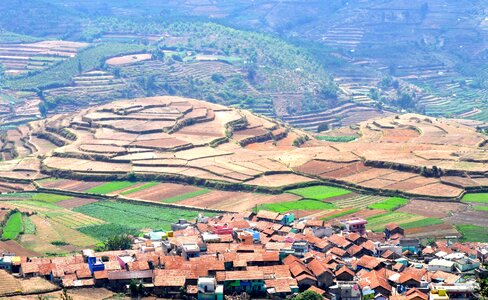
[(235, 201), (160, 143), (459, 181), (432, 209), (479, 218), (14, 247), (398, 135), (127, 59), (434, 231), (377, 183), (279, 180), (442, 190), (75, 202), (367, 175), (412, 183), (162, 191), (144, 129), (317, 167), (70, 185)]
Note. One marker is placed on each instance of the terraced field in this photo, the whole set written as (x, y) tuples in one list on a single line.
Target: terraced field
[(406, 221), (359, 201)]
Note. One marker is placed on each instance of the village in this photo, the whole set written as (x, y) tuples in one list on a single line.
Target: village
[(269, 255)]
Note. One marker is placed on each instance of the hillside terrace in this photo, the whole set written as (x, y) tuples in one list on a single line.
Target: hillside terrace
[(265, 254)]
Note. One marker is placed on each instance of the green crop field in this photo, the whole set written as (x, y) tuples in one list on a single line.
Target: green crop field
[(49, 198), (336, 139), (480, 208), (29, 227), (473, 233), (104, 231), (405, 220), (319, 192), (476, 197), (422, 223), (389, 204), (341, 214), (186, 196), (305, 204), (140, 188), (13, 227), (110, 187), (136, 216)]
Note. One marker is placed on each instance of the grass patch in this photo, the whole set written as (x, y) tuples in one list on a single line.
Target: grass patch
[(319, 192), (137, 216), (389, 204), (305, 204), (341, 214), (186, 196), (49, 198), (110, 187), (404, 220), (29, 227), (473, 233), (336, 139), (104, 231), (476, 197), (422, 223), (13, 227), (140, 188), (480, 208)]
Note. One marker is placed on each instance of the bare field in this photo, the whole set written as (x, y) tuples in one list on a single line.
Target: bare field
[(432, 209), (203, 140)]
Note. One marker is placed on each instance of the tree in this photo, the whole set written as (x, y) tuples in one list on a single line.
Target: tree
[(308, 295), (133, 288), (483, 288), (322, 127), (219, 78), (118, 242)]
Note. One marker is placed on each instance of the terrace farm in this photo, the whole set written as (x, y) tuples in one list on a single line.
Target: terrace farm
[(174, 157)]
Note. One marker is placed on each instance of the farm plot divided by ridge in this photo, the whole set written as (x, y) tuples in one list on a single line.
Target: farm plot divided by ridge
[(406, 221), (190, 140), (131, 215)]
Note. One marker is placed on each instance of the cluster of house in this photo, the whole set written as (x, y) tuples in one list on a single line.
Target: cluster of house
[(272, 255)]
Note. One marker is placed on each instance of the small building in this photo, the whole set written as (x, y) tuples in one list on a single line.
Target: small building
[(287, 219), (466, 264), (344, 274), (118, 280), (392, 229), (180, 225), (250, 282), (208, 289), (460, 291), (269, 216), (410, 244), (300, 248), (357, 225), (440, 265), (6, 263), (168, 286), (346, 291), (190, 251)]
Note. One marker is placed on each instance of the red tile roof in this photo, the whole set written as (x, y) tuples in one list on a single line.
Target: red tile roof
[(345, 269), (242, 275), (339, 241)]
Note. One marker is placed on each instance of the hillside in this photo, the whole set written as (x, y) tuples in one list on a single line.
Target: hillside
[(186, 140)]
